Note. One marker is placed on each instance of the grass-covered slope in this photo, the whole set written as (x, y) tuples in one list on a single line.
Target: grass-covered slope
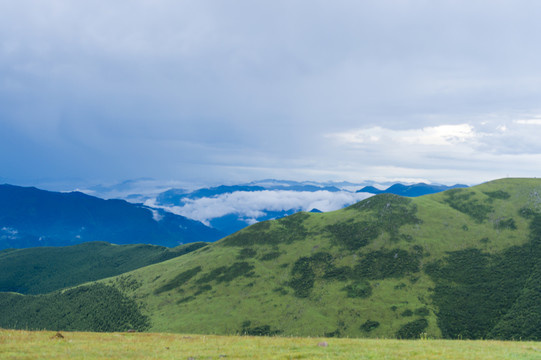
[(46, 269), (459, 264), (456, 264)]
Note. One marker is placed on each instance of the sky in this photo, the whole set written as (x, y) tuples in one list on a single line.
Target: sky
[(210, 92)]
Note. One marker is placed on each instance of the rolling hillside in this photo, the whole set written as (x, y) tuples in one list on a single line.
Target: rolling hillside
[(459, 264)]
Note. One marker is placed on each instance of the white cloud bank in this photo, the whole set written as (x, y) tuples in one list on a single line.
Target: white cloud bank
[(497, 146), (251, 205), (534, 121), (441, 135)]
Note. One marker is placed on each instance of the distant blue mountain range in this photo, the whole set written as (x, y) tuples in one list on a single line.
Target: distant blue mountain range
[(410, 190), (179, 196), (281, 205), (32, 217)]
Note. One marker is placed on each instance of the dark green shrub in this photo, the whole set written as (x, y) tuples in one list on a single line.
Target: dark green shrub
[(342, 273), (227, 273), (418, 249), (185, 299), (498, 194), (506, 224), (246, 323), (382, 264), (412, 330), (258, 233), (400, 286), (464, 201), (280, 290), (270, 256), (287, 230), (294, 221), (358, 290), (389, 213), (406, 237), (422, 311), (127, 282), (474, 289), (263, 330), (334, 333), (246, 253), (201, 289), (353, 236), (527, 213), (302, 278), (178, 280), (369, 325), (523, 320), (407, 313), (306, 270)]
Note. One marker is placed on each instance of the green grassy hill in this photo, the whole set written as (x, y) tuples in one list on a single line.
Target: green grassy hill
[(45, 269), (459, 264)]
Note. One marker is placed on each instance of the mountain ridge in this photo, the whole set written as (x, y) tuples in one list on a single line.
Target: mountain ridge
[(412, 190), (32, 217), (458, 264)]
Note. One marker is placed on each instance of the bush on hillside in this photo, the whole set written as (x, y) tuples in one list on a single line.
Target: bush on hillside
[(353, 236), (358, 289), (227, 273), (412, 330), (382, 264), (369, 325), (178, 280), (465, 202), (498, 194), (246, 253), (286, 230)]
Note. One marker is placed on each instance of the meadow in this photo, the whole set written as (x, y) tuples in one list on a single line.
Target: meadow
[(20, 344)]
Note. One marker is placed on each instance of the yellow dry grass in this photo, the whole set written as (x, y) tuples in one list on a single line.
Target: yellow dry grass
[(80, 345)]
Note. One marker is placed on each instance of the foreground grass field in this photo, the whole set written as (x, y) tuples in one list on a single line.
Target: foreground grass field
[(80, 345)]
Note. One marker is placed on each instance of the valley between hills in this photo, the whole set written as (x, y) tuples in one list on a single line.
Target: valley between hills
[(460, 264)]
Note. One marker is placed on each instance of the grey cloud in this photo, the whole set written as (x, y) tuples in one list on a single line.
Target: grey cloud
[(237, 90)]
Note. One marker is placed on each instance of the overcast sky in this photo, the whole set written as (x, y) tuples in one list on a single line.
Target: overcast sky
[(232, 91)]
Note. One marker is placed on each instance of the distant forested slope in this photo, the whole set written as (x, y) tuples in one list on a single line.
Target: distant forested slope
[(44, 269)]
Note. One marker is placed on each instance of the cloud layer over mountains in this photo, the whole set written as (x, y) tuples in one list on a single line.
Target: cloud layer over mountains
[(252, 205)]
